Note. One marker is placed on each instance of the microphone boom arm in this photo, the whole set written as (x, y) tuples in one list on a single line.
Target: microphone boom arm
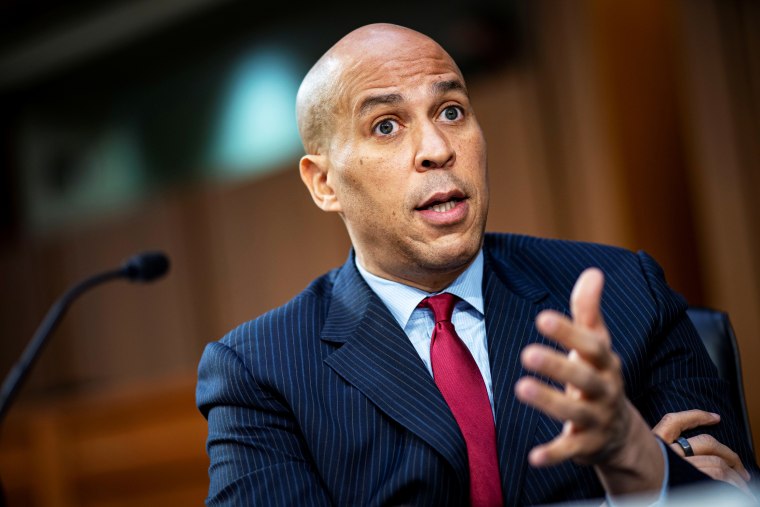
[(16, 376), (144, 267)]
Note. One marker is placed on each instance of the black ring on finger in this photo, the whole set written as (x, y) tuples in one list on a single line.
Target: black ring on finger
[(687, 450)]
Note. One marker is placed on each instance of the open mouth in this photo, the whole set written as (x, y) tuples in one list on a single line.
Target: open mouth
[(442, 202), (444, 206)]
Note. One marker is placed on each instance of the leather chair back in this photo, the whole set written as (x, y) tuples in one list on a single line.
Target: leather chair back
[(718, 336)]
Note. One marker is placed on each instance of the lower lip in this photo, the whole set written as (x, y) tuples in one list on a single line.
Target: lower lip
[(450, 217)]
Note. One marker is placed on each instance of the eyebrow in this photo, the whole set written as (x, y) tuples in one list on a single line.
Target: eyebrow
[(377, 100), (441, 87)]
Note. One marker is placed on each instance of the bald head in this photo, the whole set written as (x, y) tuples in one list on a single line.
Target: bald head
[(321, 98)]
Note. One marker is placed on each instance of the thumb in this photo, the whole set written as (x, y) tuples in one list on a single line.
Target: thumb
[(586, 298)]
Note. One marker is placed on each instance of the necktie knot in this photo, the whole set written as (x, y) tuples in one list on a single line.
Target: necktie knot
[(442, 306)]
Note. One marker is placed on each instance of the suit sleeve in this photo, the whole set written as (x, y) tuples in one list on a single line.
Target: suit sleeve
[(257, 455), (683, 377)]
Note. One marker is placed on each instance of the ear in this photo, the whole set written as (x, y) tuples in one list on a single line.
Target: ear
[(314, 170)]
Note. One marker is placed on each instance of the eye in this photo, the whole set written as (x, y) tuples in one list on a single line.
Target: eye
[(386, 127), (452, 113)]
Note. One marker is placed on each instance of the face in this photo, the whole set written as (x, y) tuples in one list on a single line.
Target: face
[(407, 164)]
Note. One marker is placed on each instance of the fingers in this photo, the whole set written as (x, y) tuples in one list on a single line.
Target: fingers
[(672, 425), (589, 374), (593, 347), (568, 370), (716, 468), (588, 447), (706, 445), (592, 405), (554, 403), (585, 332), (586, 297), (557, 450)]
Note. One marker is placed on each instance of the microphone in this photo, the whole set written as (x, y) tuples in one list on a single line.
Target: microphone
[(146, 267), (143, 267)]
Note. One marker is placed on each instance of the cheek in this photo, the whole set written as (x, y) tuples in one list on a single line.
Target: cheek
[(354, 189), (375, 175), (371, 179), (472, 157), (476, 145)]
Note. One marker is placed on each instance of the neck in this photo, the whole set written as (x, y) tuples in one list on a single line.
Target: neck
[(426, 280)]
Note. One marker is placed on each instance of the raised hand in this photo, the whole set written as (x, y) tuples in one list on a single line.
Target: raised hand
[(601, 427)]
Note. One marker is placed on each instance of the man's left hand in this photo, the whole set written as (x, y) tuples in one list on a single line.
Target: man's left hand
[(710, 456), (601, 426)]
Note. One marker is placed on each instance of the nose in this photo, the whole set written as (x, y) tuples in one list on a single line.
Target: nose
[(434, 151)]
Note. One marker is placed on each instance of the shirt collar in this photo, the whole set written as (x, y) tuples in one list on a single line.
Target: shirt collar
[(402, 299)]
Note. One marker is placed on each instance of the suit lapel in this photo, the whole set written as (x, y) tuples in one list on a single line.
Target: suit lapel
[(377, 358), (512, 302)]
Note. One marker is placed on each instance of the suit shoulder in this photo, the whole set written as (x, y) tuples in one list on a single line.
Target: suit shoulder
[(558, 263), (550, 252)]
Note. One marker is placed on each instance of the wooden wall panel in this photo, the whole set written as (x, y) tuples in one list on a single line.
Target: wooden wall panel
[(142, 444), (585, 181), (268, 241), (634, 45), (509, 112), (119, 330), (725, 197)]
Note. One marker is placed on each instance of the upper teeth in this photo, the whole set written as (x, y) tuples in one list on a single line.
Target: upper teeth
[(440, 208)]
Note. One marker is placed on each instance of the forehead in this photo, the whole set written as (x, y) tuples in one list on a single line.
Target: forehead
[(400, 70)]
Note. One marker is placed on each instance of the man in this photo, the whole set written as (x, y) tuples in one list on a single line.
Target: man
[(370, 388)]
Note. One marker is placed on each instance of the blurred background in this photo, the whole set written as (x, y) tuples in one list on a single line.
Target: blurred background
[(170, 124)]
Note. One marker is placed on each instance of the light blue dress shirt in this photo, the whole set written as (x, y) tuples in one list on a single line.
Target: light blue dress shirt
[(469, 320)]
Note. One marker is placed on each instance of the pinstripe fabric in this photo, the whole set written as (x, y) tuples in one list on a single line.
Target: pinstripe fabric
[(404, 301), (325, 401)]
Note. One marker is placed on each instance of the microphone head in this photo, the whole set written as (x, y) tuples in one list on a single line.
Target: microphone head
[(146, 266)]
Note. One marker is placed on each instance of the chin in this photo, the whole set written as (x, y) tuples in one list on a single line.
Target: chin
[(450, 255)]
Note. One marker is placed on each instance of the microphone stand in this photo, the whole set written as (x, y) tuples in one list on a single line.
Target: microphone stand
[(24, 364), (143, 267)]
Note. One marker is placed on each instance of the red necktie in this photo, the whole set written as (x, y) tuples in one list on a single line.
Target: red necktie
[(458, 378)]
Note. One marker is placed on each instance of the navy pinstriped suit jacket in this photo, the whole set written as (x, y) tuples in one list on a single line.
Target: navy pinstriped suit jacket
[(325, 401)]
